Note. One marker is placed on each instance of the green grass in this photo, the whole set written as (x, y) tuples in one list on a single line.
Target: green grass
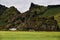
[(12, 35), (52, 12)]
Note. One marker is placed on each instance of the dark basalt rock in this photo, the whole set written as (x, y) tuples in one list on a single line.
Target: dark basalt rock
[(53, 6), (2, 9)]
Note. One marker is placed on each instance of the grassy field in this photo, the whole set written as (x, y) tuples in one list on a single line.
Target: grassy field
[(12, 35)]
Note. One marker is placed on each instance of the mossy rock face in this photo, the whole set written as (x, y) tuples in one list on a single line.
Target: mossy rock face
[(37, 18)]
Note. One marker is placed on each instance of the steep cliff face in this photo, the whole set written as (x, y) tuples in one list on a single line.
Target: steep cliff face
[(34, 8), (33, 19), (2, 9), (8, 16)]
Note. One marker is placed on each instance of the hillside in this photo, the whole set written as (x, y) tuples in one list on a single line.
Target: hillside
[(53, 10), (37, 18)]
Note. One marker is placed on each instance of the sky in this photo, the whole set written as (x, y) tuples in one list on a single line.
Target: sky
[(23, 5)]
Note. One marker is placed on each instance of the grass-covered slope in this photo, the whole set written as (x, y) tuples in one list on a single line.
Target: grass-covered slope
[(53, 11)]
